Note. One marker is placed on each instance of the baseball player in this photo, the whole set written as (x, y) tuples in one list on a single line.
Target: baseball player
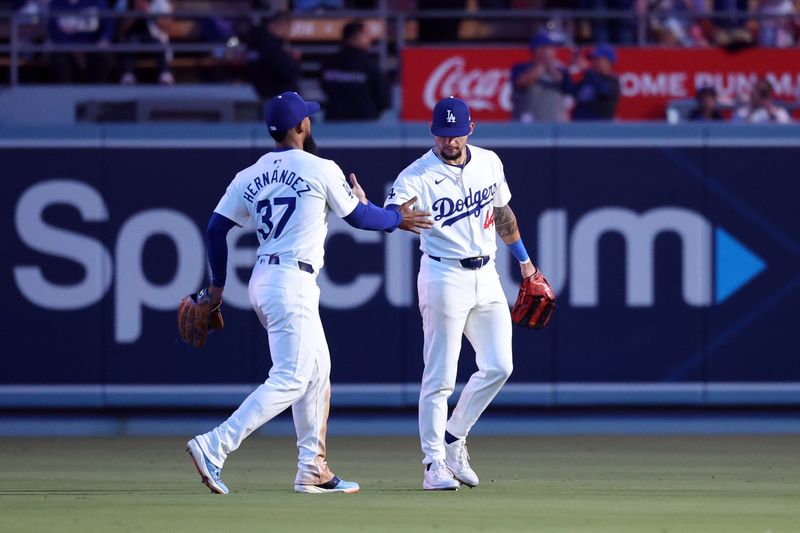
[(288, 193), (459, 288)]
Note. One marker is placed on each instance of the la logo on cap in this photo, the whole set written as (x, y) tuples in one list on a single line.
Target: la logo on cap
[(451, 118)]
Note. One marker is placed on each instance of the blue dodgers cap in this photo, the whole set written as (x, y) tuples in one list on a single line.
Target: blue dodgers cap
[(604, 50), (542, 39), (286, 110), (450, 118)]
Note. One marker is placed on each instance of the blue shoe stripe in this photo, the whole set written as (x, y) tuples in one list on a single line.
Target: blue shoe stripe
[(332, 484)]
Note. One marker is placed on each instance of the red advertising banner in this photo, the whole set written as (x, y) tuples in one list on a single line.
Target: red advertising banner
[(649, 78)]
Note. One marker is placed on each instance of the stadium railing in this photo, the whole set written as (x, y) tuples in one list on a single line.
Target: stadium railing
[(317, 34)]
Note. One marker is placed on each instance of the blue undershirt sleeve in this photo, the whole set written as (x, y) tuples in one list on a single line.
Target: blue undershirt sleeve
[(217, 246), (371, 217), (393, 207), (519, 252)]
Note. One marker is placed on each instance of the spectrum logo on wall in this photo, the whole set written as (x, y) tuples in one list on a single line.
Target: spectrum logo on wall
[(715, 265)]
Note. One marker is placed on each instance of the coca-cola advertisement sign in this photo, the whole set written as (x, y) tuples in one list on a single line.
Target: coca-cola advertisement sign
[(649, 78), (480, 76)]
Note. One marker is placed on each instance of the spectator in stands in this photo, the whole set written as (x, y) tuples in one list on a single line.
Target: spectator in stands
[(761, 109), (146, 30), (223, 31), (777, 30), (707, 105), (76, 22), (540, 86), (352, 80), (33, 8), (597, 94), (274, 66), (732, 29), (680, 22), (32, 20)]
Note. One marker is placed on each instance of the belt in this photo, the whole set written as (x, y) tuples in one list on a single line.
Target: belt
[(305, 267), (471, 263)]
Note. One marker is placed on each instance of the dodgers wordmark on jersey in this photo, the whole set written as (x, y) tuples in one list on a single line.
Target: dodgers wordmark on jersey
[(287, 194), (461, 198)]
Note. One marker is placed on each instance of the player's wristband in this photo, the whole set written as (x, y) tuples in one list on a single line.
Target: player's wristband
[(519, 252)]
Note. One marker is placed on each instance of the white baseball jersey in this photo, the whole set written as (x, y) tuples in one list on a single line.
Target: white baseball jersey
[(462, 200), (288, 194), (455, 301)]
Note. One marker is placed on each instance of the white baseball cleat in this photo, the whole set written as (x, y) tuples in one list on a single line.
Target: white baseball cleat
[(209, 472), (438, 477), (457, 460), (332, 486)]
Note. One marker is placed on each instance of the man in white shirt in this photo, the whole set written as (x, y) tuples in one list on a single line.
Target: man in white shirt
[(459, 289), (762, 109)]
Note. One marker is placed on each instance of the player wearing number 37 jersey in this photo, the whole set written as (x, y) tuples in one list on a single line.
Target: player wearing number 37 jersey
[(288, 193)]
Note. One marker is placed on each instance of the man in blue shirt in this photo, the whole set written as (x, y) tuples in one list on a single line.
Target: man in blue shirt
[(597, 94), (77, 22)]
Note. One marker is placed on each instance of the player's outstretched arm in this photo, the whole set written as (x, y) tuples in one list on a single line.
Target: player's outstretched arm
[(505, 223), (369, 216), (414, 221)]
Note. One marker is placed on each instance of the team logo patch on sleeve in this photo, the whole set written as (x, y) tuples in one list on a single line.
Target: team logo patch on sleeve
[(347, 189)]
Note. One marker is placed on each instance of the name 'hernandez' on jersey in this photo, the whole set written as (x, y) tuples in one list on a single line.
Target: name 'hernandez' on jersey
[(288, 193), (462, 200)]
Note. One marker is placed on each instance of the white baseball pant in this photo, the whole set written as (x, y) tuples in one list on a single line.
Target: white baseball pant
[(455, 301), (286, 301)]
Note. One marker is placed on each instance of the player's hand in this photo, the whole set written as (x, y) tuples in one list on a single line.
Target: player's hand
[(414, 221), (357, 190)]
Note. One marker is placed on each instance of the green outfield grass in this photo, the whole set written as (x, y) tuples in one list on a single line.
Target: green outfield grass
[(608, 484)]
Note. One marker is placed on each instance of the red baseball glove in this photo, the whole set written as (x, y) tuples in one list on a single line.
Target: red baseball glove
[(197, 314), (535, 302)]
